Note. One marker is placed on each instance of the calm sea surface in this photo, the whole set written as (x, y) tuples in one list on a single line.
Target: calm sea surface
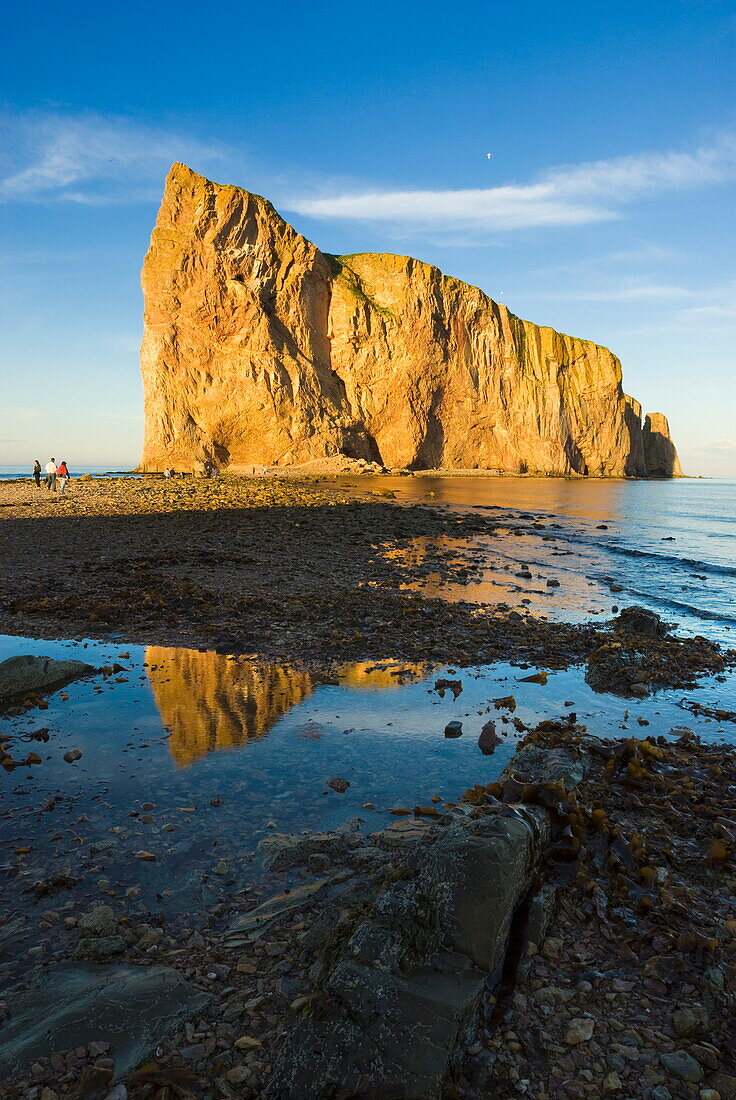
[(11, 473)]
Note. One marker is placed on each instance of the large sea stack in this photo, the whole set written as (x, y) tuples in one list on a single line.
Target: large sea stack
[(260, 349)]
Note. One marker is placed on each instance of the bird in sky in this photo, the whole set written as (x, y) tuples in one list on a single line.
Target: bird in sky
[(489, 155)]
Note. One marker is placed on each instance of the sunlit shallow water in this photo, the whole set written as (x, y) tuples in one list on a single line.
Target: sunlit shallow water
[(667, 545)]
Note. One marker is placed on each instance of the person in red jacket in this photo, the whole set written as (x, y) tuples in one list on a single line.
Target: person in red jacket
[(62, 476)]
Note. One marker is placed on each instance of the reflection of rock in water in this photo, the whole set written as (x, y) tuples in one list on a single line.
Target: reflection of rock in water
[(379, 675), (211, 702)]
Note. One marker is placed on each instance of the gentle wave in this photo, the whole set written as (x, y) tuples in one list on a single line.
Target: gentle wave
[(634, 552), (602, 547), (673, 559), (681, 605)]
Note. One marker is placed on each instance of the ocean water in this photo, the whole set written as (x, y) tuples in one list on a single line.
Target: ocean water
[(667, 545), (12, 473)]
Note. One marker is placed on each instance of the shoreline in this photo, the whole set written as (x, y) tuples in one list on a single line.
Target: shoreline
[(289, 571), (321, 469)]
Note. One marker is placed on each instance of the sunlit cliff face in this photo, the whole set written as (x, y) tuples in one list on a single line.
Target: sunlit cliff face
[(260, 349), (210, 701)]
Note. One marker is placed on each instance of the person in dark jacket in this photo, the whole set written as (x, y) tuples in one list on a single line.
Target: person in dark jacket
[(37, 473)]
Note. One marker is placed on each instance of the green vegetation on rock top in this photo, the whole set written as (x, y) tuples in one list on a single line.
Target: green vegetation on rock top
[(350, 279)]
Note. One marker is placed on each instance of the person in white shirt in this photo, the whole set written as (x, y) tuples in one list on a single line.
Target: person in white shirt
[(51, 474)]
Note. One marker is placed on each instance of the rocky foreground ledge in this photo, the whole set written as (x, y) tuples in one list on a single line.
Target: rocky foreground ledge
[(567, 931)]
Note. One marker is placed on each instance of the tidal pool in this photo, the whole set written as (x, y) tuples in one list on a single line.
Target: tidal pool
[(192, 757)]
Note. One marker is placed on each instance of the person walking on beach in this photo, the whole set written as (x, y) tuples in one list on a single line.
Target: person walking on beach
[(37, 473), (62, 473), (51, 474)]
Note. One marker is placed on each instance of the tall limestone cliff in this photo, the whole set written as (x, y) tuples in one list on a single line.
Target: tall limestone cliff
[(259, 348)]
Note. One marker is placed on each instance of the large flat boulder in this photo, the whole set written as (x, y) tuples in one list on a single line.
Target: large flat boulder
[(402, 833), (301, 897), (282, 851), (534, 764), (476, 874), (392, 1037), (409, 974), (412, 970), (73, 1004), (21, 676)]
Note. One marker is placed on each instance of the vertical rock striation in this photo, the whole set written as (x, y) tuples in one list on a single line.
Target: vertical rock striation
[(259, 348)]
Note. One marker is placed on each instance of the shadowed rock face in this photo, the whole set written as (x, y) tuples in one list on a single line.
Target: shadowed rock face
[(258, 348), (26, 674), (660, 455), (132, 1008)]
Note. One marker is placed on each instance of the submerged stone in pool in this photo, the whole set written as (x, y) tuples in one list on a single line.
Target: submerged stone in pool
[(20, 676)]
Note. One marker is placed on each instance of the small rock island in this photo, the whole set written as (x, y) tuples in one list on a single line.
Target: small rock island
[(260, 349)]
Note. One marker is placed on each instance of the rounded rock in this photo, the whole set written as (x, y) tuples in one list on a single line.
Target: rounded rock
[(100, 921), (682, 1065), (248, 1042), (579, 1030)]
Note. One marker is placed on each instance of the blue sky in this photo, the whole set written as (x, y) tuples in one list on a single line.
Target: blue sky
[(607, 209)]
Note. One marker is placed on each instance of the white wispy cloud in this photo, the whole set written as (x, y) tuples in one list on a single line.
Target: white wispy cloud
[(569, 195), (591, 264), (637, 292), (88, 158), (719, 447), (721, 304), (643, 253)]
